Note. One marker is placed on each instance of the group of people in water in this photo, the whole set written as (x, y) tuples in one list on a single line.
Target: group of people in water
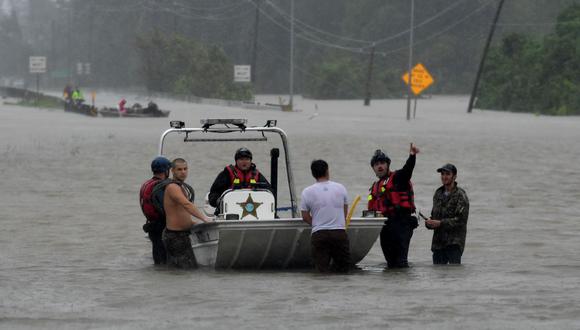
[(167, 204)]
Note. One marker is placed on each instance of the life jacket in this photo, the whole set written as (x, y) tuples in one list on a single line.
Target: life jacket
[(152, 194), (239, 179), (145, 199), (385, 199)]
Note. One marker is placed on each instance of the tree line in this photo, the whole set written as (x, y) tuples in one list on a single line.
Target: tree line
[(527, 74), (185, 46)]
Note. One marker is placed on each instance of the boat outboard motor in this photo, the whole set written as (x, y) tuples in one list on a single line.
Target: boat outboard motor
[(274, 154)]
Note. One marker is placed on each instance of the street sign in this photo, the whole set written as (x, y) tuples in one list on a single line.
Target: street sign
[(421, 79), (83, 68), (242, 73), (37, 64)]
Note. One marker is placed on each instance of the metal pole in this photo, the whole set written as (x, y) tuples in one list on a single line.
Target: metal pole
[(37, 88), (410, 90), (68, 42), (369, 77), (255, 46), (482, 62), (291, 54)]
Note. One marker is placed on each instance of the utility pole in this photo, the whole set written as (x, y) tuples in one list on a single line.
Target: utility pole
[(410, 89), (482, 62), (369, 77), (68, 42), (255, 46), (90, 48), (291, 103)]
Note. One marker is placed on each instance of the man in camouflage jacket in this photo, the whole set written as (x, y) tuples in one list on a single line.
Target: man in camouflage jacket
[(448, 218)]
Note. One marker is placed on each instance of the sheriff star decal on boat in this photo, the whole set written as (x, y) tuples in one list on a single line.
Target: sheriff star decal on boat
[(249, 207)]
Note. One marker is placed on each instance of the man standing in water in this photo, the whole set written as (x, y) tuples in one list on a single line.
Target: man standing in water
[(392, 196), (155, 220), (179, 173), (448, 218), (324, 206), (178, 211)]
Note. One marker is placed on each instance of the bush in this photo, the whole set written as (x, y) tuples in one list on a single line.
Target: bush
[(175, 64)]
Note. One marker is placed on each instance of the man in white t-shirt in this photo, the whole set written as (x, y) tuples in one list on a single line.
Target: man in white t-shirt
[(324, 206)]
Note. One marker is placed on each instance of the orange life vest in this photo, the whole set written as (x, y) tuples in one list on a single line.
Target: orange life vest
[(240, 179), (383, 198)]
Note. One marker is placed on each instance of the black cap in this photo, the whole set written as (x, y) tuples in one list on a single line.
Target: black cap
[(243, 153), (448, 168), (380, 156)]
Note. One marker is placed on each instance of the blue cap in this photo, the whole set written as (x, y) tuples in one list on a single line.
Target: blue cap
[(160, 165)]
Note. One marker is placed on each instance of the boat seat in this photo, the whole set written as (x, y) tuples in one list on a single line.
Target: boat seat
[(247, 204)]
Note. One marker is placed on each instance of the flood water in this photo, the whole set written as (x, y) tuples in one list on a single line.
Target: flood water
[(73, 255)]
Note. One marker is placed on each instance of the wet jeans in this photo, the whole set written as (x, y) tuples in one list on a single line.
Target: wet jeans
[(395, 240), (158, 249), (331, 251), (451, 254)]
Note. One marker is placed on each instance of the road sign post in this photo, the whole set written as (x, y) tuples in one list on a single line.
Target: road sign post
[(37, 65), (421, 79), (242, 73)]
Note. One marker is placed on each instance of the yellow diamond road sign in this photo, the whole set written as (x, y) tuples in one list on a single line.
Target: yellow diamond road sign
[(421, 79)]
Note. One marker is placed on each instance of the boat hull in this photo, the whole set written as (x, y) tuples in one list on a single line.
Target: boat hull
[(279, 243)]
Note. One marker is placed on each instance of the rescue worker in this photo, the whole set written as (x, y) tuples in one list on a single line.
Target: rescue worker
[(77, 97), (155, 222), (243, 174), (448, 218), (392, 196), (121, 106), (67, 96)]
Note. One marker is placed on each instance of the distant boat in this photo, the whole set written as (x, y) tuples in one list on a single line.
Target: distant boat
[(135, 111)]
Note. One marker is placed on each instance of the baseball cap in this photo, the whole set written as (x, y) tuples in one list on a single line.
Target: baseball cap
[(448, 168)]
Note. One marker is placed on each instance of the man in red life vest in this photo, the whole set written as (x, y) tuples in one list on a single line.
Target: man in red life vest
[(392, 196), (243, 174), (155, 221)]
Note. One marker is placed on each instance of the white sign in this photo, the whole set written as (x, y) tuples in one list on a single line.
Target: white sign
[(242, 73), (83, 68), (37, 64)]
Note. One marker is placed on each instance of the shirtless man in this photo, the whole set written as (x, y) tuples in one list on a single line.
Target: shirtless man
[(178, 212)]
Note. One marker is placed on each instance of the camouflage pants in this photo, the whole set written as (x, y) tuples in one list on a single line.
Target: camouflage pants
[(179, 250)]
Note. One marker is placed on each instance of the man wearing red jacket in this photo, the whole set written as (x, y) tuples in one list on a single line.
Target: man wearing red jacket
[(392, 196), (155, 221)]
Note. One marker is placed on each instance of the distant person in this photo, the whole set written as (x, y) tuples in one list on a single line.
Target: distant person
[(67, 96), (152, 108), (121, 106), (67, 93), (77, 97), (448, 218), (243, 174), (392, 196), (324, 206), (155, 220), (178, 211)]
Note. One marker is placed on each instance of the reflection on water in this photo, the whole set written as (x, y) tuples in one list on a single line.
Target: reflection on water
[(73, 254)]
